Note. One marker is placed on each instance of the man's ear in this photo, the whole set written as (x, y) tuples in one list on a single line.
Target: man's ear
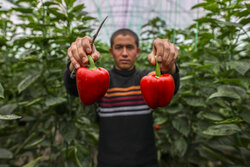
[(111, 52), (138, 52)]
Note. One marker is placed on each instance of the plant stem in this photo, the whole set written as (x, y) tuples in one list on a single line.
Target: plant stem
[(157, 68), (91, 63)]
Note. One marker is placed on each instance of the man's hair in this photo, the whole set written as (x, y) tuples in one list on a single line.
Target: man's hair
[(124, 31)]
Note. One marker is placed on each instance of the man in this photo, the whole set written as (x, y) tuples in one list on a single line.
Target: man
[(125, 121)]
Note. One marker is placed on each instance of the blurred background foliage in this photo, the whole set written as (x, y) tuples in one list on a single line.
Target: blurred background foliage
[(207, 123)]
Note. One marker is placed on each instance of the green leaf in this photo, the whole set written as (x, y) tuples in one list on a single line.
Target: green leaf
[(222, 130), (1, 91), (69, 3), (199, 5), (77, 8), (8, 108), (240, 66), (83, 150), (49, 3), (3, 40), (5, 154), (230, 121), (29, 80), (23, 10), (20, 1), (72, 153), (58, 14), (245, 21), (179, 147), (68, 131), (87, 18), (188, 77), (206, 20), (9, 117), (174, 110), (243, 13), (83, 120), (190, 64), (27, 57), (160, 120), (27, 53), (234, 89), (194, 101), (181, 125), (212, 7), (93, 135), (33, 163), (229, 91), (30, 103), (240, 82), (29, 138), (53, 101), (212, 116), (230, 24), (216, 155), (30, 59), (35, 143), (207, 36), (245, 116)]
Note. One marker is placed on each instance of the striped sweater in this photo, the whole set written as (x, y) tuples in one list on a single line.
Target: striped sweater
[(126, 123), (122, 102)]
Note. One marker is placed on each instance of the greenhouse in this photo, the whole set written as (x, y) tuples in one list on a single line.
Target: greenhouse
[(105, 83)]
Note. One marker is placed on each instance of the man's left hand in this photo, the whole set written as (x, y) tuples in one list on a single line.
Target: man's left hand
[(166, 54)]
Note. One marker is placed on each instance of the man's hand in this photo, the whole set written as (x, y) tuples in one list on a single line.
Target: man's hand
[(79, 50), (166, 54)]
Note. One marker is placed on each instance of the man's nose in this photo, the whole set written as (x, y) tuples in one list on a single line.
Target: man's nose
[(124, 51)]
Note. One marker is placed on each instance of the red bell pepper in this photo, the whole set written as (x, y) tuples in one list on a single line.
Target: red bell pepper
[(157, 89), (158, 127), (92, 82)]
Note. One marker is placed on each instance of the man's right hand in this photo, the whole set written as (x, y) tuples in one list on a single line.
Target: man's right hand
[(79, 50)]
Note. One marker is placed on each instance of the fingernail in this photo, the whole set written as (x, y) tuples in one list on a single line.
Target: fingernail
[(88, 50), (95, 57), (77, 66), (159, 58), (84, 60)]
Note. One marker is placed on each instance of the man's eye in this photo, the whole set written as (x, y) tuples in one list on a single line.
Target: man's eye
[(118, 47), (130, 47)]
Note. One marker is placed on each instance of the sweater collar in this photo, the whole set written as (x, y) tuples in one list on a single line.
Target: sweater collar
[(124, 72)]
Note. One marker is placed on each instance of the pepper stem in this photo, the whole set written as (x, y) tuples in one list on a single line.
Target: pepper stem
[(157, 68), (91, 63)]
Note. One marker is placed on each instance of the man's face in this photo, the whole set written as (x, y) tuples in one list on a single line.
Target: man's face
[(124, 51)]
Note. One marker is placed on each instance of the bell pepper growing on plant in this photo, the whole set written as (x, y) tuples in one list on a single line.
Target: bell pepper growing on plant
[(157, 127), (92, 82), (157, 89)]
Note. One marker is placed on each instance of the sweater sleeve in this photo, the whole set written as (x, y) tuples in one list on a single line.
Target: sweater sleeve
[(69, 83), (176, 77)]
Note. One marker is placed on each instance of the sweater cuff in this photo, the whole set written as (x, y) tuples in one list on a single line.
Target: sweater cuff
[(67, 75), (176, 77)]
